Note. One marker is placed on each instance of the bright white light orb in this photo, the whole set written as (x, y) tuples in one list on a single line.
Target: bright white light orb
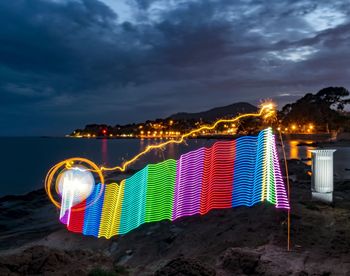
[(75, 184)]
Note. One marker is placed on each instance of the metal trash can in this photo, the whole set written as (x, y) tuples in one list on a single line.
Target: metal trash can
[(322, 175)]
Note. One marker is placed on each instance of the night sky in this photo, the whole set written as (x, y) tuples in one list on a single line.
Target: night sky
[(66, 63)]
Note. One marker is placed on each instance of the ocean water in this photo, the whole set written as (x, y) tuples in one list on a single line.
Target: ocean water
[(24, 161), (341, 157)]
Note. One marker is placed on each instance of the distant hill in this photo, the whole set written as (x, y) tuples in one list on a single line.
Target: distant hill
[(231, 110)]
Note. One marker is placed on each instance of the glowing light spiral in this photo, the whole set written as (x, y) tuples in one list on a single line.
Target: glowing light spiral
[(56, 172)]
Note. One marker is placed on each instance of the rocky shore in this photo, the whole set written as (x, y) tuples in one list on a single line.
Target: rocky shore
[(240, 241)]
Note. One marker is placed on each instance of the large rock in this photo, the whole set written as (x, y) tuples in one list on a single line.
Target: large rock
[(240, 260), (41, 260), (183, 266)]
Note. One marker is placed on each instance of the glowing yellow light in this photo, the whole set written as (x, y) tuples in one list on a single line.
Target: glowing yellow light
[(269, 111), (311, 126), (294, 127), (78, 181)]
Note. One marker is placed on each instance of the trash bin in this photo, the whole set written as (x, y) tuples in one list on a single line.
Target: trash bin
[(322, 175)]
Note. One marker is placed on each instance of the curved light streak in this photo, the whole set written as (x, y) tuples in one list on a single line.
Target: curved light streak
[(266, 111), (62, 165)]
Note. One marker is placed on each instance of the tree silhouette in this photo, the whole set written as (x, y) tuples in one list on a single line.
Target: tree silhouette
[(321, 109)]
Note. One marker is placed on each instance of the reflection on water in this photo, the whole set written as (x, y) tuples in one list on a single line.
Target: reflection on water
[(157, 155), (293, 150), (302, 151), (104, 151), (170, 151)]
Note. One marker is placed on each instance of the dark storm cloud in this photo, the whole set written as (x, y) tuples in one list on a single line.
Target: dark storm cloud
[(64, 63)]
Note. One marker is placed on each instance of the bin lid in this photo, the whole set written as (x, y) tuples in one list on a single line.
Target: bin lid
[(324, 151)]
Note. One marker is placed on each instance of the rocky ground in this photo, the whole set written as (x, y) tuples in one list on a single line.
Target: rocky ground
[(240, 241)]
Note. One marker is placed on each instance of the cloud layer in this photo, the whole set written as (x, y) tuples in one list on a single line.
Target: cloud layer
[(65, 63)]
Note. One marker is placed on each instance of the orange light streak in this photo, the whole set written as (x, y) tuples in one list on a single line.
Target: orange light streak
[(267, 109)]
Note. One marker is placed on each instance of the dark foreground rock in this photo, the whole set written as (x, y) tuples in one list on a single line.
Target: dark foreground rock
[(238, 260), (41, 260), (183, 266)]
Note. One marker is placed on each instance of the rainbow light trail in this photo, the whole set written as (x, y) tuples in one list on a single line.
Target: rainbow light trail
[(241, 172)]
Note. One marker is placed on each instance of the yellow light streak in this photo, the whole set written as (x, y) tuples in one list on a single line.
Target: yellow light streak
[(267, 109)]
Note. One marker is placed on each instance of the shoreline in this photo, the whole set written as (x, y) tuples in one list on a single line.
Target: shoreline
[(319, 235)]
